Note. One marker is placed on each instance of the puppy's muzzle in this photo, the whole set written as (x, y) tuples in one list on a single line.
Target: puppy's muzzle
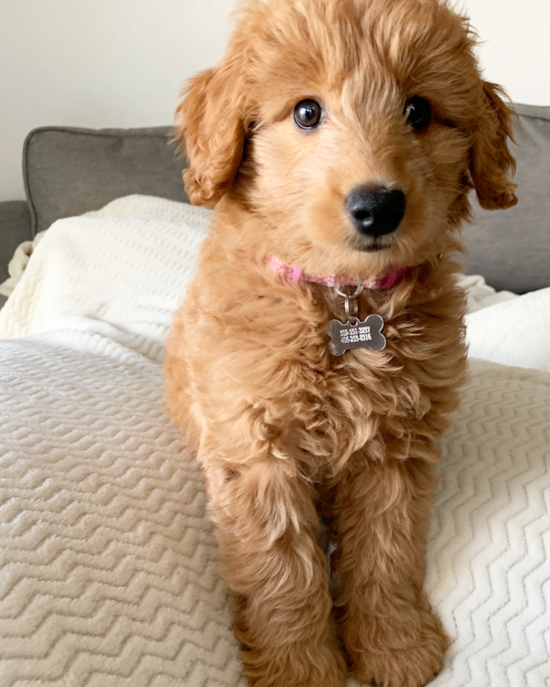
[(376, 210)]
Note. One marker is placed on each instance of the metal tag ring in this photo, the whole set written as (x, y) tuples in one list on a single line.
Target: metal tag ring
[(358, 290), (352, 307)]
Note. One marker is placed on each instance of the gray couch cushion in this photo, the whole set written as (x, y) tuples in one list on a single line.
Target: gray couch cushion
[(511, 248), (70, 171), (15, 227)]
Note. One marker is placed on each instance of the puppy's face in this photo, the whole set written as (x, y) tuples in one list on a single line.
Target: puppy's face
[(353, 128)]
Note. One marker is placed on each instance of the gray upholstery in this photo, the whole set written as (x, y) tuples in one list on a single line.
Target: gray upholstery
[(15, 227), (511, 248), (71, 171)]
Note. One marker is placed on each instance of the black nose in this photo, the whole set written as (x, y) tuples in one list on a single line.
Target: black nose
[(376, 210)]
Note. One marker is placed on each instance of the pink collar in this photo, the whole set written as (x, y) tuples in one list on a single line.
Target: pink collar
[(295, 274)]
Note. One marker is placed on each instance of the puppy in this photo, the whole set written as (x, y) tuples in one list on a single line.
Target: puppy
[(339, 140)]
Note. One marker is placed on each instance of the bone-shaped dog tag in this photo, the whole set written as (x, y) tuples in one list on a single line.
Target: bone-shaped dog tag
[(356, 334)]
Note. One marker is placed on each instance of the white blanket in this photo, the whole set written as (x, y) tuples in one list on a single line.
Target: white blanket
[(118, 273), (107, 563), (513, 331)]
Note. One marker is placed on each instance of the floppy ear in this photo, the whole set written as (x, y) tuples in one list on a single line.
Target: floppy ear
[(211, 121), (491, 164)]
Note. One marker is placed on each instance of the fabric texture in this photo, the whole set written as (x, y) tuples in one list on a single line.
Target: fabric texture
[(123, 276), (481, 295), (107, 561), (15, 228), (514, 331), (506, 328), (488, 559), (511, 248), (71, 171)]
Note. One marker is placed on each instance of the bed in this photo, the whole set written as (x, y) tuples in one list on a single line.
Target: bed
[(108, 567)]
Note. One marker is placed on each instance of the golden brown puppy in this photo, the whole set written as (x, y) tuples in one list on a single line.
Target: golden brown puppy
[(341, 137)]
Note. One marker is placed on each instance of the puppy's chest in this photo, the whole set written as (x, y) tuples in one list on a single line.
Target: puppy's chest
[(366, 364), (342, 403)]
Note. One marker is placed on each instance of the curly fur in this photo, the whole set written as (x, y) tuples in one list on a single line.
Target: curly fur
[(284, 431)]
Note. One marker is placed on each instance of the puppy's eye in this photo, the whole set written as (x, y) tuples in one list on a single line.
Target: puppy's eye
[(418, 112), (308, 114)]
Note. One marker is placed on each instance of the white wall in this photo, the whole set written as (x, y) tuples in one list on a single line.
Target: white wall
[(516, 49), (121, 63), (97, 63)]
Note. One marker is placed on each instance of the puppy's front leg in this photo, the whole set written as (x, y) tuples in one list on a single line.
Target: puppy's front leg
[(266, 530), (391, 635)]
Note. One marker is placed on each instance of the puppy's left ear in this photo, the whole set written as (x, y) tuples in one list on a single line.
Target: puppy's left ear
[(211, 123), (491, 164)]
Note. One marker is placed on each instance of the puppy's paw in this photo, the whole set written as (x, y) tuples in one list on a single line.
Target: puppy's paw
[(294, 666), (414, 665)]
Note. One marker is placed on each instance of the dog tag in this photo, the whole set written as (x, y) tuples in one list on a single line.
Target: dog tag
[(356, 334)]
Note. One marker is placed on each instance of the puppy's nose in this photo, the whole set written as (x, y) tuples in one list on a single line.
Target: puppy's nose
[(376, 210)]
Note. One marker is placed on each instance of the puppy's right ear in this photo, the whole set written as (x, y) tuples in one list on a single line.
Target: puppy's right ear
[(211, 121)]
